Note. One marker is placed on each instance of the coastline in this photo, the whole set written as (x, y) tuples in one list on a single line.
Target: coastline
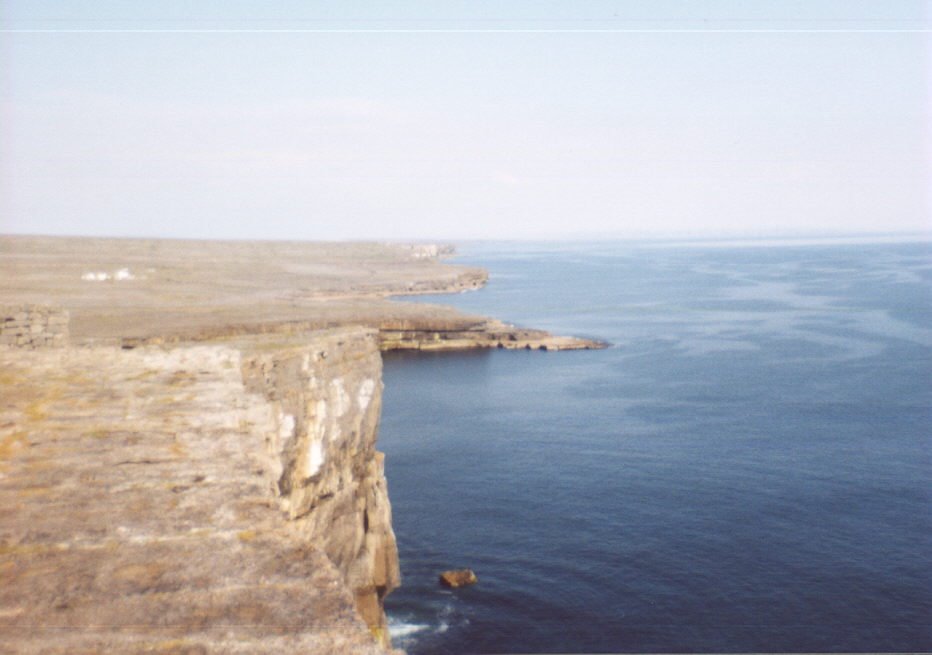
[(292, 331)]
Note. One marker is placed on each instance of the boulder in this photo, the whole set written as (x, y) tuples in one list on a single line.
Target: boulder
[(458, 578)]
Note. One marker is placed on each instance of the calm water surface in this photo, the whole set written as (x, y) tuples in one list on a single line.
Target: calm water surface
[(746, 469)]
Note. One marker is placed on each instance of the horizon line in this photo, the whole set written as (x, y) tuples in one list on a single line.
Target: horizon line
[(922, 235)]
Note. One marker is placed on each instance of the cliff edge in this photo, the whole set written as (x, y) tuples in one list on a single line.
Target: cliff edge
[(199, 499)]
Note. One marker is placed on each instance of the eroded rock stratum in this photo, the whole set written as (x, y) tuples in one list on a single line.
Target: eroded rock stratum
[(208, 498)]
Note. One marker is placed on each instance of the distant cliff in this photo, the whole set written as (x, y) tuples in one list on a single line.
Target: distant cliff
[(133, 292)]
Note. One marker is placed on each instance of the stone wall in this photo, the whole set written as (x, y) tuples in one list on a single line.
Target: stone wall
[(33, 326)]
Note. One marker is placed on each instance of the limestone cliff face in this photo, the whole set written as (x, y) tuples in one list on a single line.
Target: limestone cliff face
[(327, 399), (140, 509), (214, 499)]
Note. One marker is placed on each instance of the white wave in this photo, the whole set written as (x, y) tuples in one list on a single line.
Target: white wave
[(401, 629), (404, 632)]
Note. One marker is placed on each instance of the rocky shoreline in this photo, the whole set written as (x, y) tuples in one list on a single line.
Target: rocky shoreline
[(424, 335), (192, 466)]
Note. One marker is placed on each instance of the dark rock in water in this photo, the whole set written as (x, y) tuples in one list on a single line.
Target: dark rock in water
[(458, 578)]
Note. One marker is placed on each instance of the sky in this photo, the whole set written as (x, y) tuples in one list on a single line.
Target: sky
[(464, 120)]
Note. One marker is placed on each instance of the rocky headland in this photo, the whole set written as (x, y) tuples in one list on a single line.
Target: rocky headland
[(187, 439)]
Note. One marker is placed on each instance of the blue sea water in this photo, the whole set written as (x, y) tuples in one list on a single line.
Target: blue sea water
[(745, 469)]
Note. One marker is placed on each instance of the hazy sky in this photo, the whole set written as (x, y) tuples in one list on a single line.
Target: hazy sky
[(464, 119)]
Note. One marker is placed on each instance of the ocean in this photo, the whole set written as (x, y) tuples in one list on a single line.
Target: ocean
[(746, 468)]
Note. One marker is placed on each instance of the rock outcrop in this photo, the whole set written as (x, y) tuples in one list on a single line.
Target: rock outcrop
[(485, 333), (458, 578)]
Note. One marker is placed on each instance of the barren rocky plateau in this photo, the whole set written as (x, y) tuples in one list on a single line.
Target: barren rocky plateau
[(144, 291)]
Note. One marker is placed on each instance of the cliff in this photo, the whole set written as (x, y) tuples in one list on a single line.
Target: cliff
[(189, 465), (327, 395), (199, 499)]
